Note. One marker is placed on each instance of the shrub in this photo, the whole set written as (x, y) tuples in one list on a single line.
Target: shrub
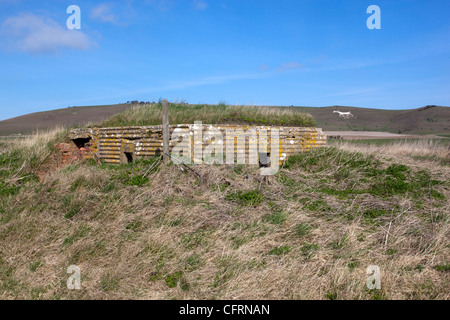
[(249, 198), (276, 218), (302, 230), (280, 251), (138, 180), (443, 267), (309, 249), (172, 279), (73, 210)]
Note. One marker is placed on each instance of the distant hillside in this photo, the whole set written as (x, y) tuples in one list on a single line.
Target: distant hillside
[(426, 120), (75, 116)]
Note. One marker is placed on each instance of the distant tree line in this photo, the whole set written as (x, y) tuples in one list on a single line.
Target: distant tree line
[(140, 102)]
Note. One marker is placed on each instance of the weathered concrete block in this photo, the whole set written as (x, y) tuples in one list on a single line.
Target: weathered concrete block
[(122, 144)]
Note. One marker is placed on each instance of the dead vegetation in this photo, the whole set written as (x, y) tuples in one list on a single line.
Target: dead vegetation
[(309, 232), (414, 148), (145, 115)]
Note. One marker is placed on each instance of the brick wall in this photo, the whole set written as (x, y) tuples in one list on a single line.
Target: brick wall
[(70, 152)]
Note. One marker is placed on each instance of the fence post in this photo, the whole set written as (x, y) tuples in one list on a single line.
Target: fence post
[(166, 132)]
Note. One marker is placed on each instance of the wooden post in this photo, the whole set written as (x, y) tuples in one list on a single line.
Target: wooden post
[(166, 132)]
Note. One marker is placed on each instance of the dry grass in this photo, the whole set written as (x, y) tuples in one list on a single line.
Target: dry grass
[(36, 144), (210, 114), (427, 148), (309, 232), (21, 158)]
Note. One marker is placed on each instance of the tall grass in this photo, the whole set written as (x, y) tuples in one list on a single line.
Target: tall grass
[(20, 159), (210, 114), (427, 149)]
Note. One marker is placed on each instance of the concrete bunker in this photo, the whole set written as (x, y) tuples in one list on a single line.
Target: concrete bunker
[(127, 144), (129, 157), (82, 142), (264, 160)]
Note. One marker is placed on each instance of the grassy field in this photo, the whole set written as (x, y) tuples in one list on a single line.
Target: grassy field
[(210, 114), (420, 142), (147, 230)]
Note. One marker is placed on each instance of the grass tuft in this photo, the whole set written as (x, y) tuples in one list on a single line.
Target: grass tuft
[(210, 114)]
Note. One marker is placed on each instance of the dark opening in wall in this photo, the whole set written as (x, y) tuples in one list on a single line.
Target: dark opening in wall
[(81, 143), (264, 160), (129, 157)]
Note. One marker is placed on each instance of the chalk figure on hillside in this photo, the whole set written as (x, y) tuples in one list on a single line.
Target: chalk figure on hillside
[(345, 115)]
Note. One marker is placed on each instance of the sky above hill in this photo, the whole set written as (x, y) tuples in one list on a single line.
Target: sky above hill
[(285, 52)]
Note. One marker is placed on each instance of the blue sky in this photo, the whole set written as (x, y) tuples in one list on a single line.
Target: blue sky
[(286, 52)]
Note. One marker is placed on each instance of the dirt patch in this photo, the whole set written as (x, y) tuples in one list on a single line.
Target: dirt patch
[(362, 135)]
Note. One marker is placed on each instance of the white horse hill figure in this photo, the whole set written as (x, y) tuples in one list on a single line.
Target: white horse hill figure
[(345, 115)]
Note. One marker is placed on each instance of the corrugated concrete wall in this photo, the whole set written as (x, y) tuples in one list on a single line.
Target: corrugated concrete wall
[(121, 145)]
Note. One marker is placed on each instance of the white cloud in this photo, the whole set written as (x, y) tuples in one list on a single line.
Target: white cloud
[(161, 4), (37, 35), (200, 4), (104, 13), (290, 66), (170, 4)]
